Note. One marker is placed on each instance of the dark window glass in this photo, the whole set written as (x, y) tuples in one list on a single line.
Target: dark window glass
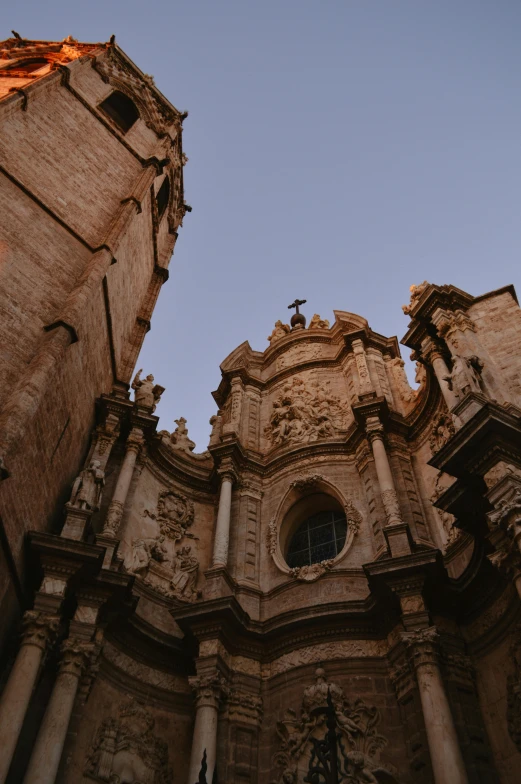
[(121, 110), (318, 538), (162, 197)]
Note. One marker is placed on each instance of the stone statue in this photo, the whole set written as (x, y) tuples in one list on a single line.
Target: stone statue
[(465, 375), (145, 550), (216, 422), (147, 394), (88, 486), (318, 323), (185, 568), (279, 331), (356, 769), (416, 292), (179, 438)]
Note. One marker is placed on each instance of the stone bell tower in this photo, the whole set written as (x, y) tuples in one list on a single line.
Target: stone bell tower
[(91, 190)]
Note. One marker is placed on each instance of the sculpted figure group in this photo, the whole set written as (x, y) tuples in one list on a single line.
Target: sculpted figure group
[(359, 742), (303, 414)]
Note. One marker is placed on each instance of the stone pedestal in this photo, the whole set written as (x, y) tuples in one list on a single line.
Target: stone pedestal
[(76, 523), (222, 526)]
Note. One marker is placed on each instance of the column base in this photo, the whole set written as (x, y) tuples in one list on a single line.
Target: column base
[(399, 539), (77, 523), (111, 548)]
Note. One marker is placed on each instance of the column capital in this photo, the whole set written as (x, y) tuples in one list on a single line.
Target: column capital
[(432, 349), (227, 471), (210, 689), (422, 646), (75, 656), (374, 428), (135, 440), (39, 628)]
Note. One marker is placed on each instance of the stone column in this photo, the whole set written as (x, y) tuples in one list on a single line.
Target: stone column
[(446, 758), (39, 631), (222, 526), (364, 378), (209, 690), (434, 354), (47, 751), (375, 434), (110, 531)]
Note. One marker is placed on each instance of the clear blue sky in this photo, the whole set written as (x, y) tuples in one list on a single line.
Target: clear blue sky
[(338, 151)]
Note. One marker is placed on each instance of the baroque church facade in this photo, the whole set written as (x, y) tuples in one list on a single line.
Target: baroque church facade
[(334, 583)]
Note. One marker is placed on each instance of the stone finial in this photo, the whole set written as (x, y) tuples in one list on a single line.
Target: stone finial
[(298, 320), (179, 438), (416, 292)]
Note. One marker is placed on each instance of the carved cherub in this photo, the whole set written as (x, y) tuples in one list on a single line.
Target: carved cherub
[(88, 486), (279, 331), (318, 323), (147, 394)]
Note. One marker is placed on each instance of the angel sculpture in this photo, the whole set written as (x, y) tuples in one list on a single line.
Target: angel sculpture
[(147, 394)]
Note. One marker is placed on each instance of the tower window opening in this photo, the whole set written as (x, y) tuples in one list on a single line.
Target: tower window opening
[(27, 66), (318, 538), (162, 197), (121, 110)]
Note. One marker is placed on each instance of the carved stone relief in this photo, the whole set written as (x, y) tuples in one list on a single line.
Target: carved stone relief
[(318, 323), (171, 571), (304, 411), (401, 381), (442, 483), (359, 742), (298, 354), (126, 749), (465, 375), (311, 572), (442, 429), (175, 514), (280, 330), (314, 654)]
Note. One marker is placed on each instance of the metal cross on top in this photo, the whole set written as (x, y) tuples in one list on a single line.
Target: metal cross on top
[(297, 303)]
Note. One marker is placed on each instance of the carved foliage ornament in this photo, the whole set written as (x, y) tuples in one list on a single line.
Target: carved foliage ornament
[(126, 747), (442, 430), (359, 743)]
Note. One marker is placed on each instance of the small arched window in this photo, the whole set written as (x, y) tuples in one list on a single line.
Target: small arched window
[(162, 197), (121, 110), (319, 538)]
